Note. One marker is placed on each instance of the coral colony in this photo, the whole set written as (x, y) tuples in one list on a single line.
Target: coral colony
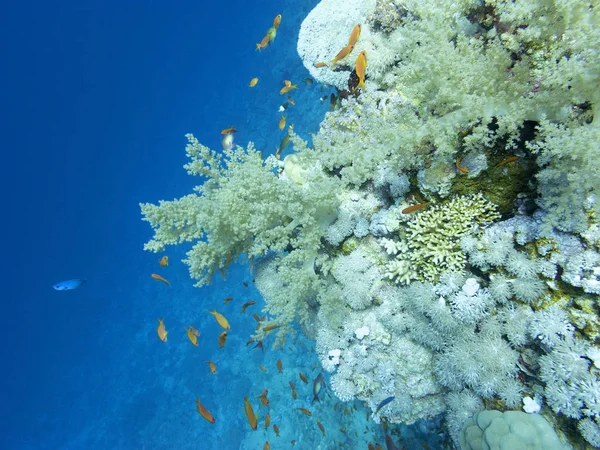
[(439, 238)]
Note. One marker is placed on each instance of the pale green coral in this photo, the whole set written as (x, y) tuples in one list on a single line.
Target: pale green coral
[(243, 207)]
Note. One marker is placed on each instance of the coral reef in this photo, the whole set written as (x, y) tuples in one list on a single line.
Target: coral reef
[(439, 240)]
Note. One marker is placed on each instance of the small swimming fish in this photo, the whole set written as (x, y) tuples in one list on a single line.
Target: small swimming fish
[(342, 54), (159, 278), (279, 366), (389, 443), (293, 442), (245, 305), (304, 411), (318, 65), (221, 319), (263, 43), (263, 368), (229, 130), (213, 367), (383, 403), (354, 35), (267, 421), (253, 82), (161, 330), (227, 300), (308, 81), (290, 101), (282, 123), (460, 167), (288, 87), (293, 390), (222, 339), (317, 386), (277, 21), (69, 285), (263, 397), (276, 429), (260, 345), (267, 446), (164, 261), (332, 101), (508, 160), (284, 143), (361, 67), (414, 208), (192, 336), (321, 427), (271, 327), (204, 412), (250, 413)]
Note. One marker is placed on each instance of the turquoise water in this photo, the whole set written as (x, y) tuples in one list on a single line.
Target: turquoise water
[(98, 98)]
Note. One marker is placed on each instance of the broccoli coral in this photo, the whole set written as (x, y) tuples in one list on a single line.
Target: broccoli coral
[(244, 207)]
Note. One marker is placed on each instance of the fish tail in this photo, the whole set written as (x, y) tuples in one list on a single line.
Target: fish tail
[(361, 85)]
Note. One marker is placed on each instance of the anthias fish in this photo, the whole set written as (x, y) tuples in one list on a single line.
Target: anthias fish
[(69, 285)]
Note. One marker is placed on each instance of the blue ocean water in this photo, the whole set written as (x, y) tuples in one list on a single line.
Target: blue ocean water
[(98, 97)]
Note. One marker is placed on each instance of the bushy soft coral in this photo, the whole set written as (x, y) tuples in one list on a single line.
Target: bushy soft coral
[(243, 207)]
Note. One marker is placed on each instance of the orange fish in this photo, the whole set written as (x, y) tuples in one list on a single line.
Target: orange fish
[(288, 87), (249, 342), (276, 429), (461, 168), (291, 102), (271, 327), (221, 319), (508, 160), (277, 21), (229, 130), (263, 44), (354, 35), (222, 339), (321, 427), (245, 305), (263, 397), (361, 67), (282, 123), (414, 208), (250, 413), (258, 319), (318, 65), (253, 82), (159, 278), (303, 378), (263, 368), (204, 412), (279, 366), (164, 261), (293, 390), (304, 411), (227, 300), (213, 367), (343, 53), (192, 336), (267, 421), (260, 345), (162, 331), (267, 446)]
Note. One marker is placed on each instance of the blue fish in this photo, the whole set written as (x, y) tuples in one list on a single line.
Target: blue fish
[(69, 284), (383, 403)]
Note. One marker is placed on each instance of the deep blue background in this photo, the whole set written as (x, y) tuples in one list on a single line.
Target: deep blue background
[(96, 98)]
